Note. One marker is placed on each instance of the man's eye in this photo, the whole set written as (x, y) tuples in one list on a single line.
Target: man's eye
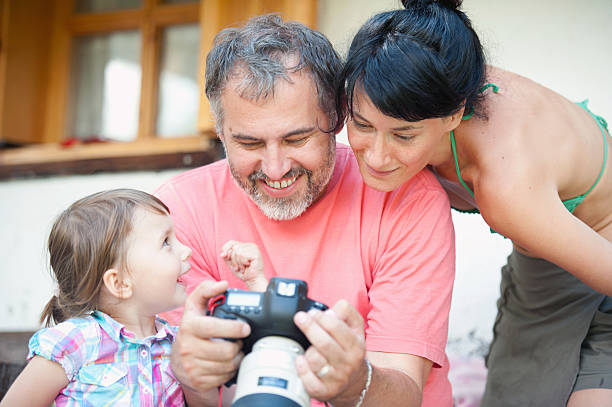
[(250, 145), (296, 141)]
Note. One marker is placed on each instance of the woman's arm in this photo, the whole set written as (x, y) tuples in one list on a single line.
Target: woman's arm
[(38, 384), (534, 217)]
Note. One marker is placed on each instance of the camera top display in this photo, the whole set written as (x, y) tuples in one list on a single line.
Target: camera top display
[(269, 313)]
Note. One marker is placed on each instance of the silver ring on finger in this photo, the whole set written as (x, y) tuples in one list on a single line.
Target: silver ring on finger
[(324, 370)]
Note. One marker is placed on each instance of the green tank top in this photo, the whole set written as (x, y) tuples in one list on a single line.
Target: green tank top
[(571, 203)]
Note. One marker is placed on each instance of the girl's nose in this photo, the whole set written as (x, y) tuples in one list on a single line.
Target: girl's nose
[(186, 252)]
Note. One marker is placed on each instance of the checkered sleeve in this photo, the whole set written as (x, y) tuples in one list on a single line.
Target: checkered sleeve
[(67, 343)]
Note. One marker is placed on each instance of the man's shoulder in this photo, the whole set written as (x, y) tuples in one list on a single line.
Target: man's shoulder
[(192, 180), (346, 165), (425, 180), (421, 194)]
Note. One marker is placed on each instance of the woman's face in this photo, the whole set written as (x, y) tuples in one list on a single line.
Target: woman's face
[(390, 151)]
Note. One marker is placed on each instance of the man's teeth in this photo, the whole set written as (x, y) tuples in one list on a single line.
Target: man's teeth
[(282, 184)]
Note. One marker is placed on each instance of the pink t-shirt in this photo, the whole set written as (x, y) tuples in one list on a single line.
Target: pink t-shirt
[(391, 255)]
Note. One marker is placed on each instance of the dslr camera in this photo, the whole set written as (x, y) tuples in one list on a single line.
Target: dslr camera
[(267, 375)]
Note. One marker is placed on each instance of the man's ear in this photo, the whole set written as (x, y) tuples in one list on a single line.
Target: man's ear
[(221, 137), (119, 285)]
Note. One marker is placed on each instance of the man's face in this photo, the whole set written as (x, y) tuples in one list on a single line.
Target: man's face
[(275, 148)]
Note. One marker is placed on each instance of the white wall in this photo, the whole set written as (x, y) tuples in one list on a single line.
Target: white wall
[(561, 43)]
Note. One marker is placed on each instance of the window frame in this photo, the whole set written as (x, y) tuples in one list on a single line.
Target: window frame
[(46, 155)]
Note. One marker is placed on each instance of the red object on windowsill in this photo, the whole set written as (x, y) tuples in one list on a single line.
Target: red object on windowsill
[(71, 141)]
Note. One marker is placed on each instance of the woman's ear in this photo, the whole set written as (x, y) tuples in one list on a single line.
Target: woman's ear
[(453, 121), (117, 284)]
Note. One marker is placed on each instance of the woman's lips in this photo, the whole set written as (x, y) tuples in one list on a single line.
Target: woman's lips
[(379, 173)]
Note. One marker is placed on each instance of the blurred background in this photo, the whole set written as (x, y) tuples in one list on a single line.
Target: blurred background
[(98, 94)]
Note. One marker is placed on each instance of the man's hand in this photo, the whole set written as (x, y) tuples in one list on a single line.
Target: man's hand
[(334, 367), (200, 360)]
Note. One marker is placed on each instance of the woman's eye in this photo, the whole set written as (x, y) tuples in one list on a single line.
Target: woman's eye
[(360, 125), (166, 242), (402, 137)]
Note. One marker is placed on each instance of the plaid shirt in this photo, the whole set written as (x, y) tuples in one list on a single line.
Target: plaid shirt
[(107, 365)]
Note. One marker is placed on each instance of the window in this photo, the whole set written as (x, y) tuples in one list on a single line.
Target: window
[(89, 85)]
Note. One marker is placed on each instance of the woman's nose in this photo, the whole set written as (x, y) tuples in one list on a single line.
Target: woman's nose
[(377, 154)]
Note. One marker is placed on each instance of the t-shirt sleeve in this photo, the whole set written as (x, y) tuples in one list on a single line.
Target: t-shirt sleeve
[(65, 343), (413, 276), (189, 222)]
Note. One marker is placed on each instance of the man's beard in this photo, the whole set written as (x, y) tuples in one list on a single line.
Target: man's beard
[(292, 206)]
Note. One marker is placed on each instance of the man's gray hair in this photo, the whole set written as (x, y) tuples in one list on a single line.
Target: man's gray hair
[(259, 52)]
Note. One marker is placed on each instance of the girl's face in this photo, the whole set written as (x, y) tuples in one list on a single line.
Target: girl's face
[(390, 151), (156, 262)]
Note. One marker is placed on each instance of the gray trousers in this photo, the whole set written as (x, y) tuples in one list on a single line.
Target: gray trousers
[(552, 336)]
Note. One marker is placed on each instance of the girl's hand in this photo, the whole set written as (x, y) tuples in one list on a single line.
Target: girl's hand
[(245, 261)]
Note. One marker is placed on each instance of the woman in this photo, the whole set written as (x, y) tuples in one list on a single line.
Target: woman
[(534, 164)]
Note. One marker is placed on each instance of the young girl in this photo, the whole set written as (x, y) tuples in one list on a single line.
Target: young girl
[(117, 264)]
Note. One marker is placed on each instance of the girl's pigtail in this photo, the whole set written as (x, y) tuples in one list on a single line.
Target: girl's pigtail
[(52, 313)]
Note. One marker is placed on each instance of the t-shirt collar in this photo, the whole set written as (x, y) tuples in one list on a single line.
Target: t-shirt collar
[(117, 330)]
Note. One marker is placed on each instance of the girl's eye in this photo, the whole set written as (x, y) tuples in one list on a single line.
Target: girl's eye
[(166, 242)]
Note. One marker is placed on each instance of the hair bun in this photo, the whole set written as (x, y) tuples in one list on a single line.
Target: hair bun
[(450, 4)]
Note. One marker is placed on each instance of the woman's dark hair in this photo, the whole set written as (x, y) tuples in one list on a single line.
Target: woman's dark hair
[(87, 239), (421, 62)]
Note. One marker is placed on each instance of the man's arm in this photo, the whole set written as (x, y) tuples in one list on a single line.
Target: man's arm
[(338, 341), (200, 360), (404, 372)]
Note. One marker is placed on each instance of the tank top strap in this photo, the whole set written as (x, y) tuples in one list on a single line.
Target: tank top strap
[(572, 203)]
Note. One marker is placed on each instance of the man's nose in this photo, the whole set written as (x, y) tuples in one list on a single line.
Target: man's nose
[(275, 162)]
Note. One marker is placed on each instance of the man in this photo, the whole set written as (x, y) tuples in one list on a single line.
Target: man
[(384, 262)]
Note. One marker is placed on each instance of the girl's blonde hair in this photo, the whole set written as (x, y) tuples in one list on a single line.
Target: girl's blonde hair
[(87, 239)]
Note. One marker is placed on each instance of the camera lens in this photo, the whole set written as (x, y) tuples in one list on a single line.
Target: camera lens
[(267, 375)]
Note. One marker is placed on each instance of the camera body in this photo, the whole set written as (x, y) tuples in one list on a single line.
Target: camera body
[(267, 375), (269, 313)]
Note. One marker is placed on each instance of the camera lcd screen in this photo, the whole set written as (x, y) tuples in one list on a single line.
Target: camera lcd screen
[(249, 299)]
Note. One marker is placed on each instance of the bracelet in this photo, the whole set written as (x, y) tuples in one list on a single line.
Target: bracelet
[(367, 384)]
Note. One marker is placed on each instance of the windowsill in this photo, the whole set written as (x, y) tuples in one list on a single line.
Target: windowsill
[(155, 154)]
